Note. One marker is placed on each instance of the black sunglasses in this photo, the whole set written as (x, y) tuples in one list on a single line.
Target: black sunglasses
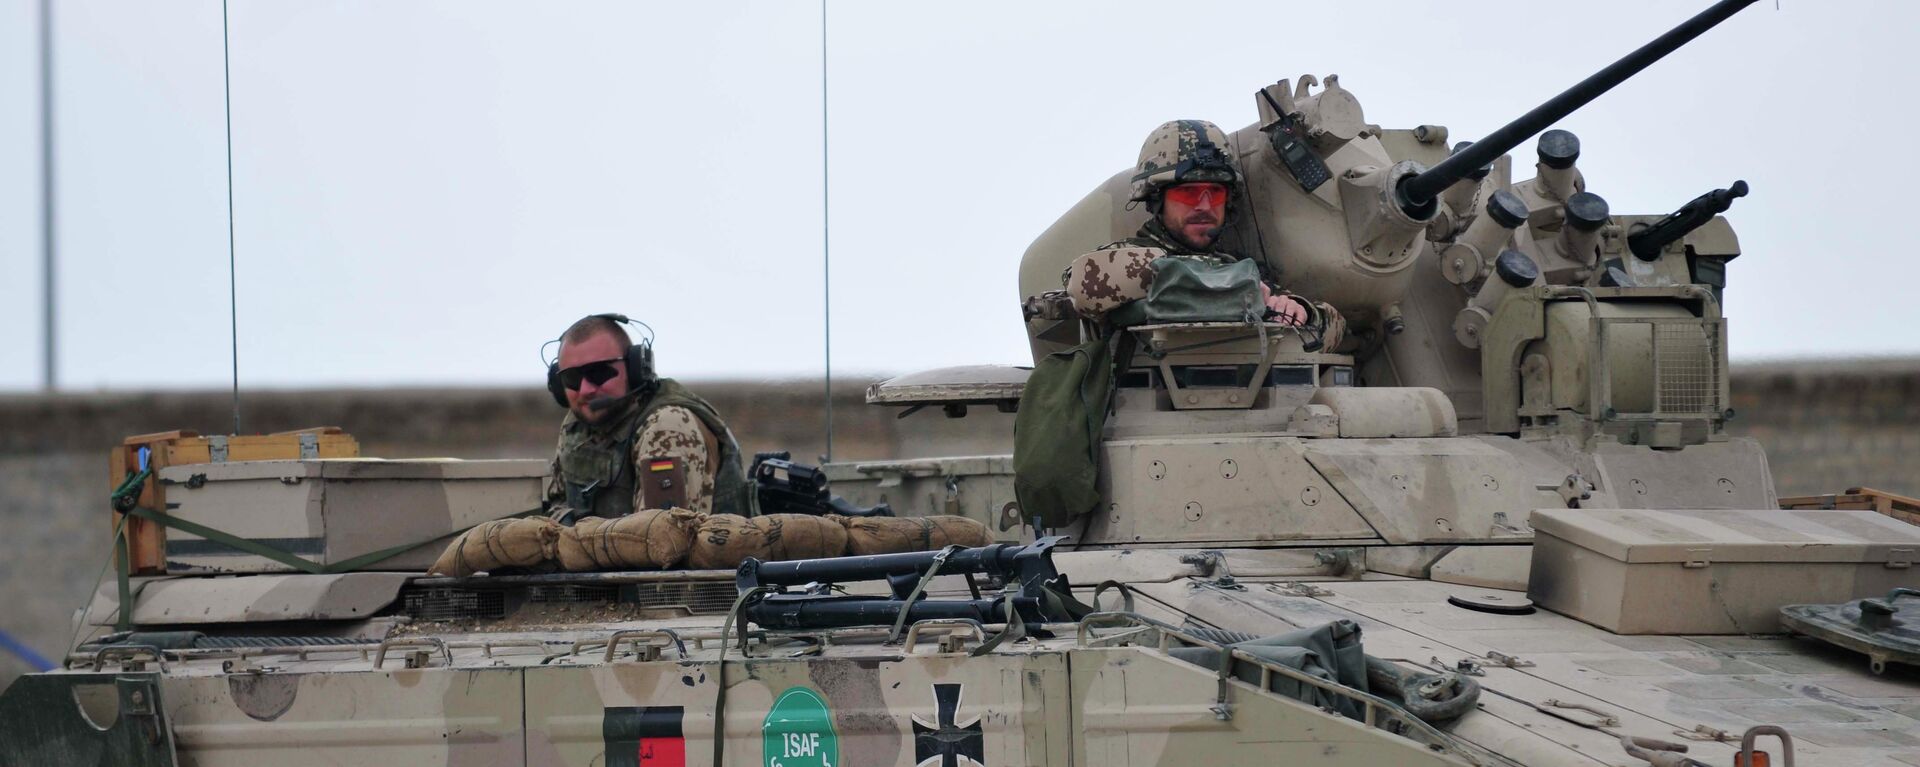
[(598, 372)]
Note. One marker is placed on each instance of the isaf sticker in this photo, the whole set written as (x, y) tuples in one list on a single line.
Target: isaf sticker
[(798, 731), (945, 742), (644, 736)]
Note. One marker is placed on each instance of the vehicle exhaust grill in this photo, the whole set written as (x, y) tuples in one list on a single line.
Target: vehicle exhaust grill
[(696, 597), (442, 603), (572, 594)]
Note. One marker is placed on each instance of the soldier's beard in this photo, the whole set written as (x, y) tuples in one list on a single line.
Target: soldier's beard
[(586, 411), (1199, 231)]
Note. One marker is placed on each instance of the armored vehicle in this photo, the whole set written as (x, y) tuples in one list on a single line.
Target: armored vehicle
[(1501, 523)]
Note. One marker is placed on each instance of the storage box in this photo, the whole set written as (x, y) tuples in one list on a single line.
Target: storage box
[(1633, 571), (146, 541), (329, 511), (1899, 507)]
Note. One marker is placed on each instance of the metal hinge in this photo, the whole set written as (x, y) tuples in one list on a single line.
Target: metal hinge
[(1498, 658), (1704, 733), (1299, 589), (217, 448), (1464, 666), (1212, 564)]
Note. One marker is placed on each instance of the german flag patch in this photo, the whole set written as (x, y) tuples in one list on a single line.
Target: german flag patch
[(658, 464)]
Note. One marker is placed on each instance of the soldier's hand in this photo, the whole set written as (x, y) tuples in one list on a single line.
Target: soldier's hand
[(1287, 310)]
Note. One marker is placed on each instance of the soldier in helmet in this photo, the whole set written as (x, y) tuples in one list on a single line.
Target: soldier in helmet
[(1188, 182), (631, 439)]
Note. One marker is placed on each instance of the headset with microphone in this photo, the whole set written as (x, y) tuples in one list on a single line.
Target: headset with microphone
[(639, 359)]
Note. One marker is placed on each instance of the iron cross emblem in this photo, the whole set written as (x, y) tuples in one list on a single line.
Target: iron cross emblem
[(947, 743)]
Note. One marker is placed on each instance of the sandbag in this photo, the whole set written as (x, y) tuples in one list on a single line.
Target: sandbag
[(725, 540), (501, 543), (801, 536), (649, 539), (893, 535)]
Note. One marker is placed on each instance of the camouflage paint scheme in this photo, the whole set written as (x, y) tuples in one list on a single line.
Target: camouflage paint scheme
[(1256, 510)]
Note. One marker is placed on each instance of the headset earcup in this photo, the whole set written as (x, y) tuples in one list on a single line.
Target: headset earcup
[(639, 366), (553, 385)]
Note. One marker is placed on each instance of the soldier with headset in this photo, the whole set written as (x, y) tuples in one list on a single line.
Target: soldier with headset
[(631, 439)]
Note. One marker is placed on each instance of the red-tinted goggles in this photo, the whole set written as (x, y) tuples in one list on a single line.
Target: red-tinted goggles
[(1198, 195), (598, 372)]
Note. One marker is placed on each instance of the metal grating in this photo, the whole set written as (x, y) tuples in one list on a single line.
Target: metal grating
[(440, 603), (1686, 368), (571, 594), (697, 597)]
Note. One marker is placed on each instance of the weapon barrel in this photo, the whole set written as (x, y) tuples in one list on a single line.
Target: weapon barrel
[(993, 559), (1647, 243), (1420, 189), (796, 612)]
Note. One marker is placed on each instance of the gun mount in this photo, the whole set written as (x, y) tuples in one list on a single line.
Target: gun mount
[(1036, 590)]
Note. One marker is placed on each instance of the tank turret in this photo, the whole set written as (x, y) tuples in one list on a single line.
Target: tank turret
[(1407, 238)]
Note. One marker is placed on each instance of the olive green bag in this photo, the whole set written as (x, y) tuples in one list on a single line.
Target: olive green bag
[(1056, 433), (1195, 290)]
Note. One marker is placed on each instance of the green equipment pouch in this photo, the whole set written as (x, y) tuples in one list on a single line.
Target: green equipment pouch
[(1056, 432), (1196, 290)]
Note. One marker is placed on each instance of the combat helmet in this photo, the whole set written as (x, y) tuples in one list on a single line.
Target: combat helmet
[(1183, 151)]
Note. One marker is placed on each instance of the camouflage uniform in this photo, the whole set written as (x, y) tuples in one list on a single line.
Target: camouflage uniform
[(1178, 152), (597, 466)]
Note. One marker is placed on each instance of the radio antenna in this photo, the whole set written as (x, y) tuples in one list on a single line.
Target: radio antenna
[(49, 379), (826, 239), (233, 288)]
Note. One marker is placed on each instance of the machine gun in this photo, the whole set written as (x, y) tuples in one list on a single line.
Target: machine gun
[(1035, 593), (785, 487), (1647, 243)]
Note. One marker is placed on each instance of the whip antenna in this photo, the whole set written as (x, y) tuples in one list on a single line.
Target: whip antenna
[(49, 380), (826, 238), (233, 289)]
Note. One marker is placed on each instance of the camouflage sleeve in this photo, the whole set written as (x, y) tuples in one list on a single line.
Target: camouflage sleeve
[(1333, 327), (675, 432), (555, 503), (556, 489), (1101, 281)]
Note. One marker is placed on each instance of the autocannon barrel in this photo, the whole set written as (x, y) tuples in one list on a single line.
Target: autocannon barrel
[(1647, 243), (1419, 190), (1007, 561), (800, 612)]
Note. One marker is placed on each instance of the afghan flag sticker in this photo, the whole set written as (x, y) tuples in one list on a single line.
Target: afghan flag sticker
[(644, 736)]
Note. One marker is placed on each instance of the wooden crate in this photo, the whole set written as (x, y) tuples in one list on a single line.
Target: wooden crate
[(147, 541), (1861, 498)]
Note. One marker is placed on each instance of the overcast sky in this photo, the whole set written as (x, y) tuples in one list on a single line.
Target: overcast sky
[(425, 191)]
